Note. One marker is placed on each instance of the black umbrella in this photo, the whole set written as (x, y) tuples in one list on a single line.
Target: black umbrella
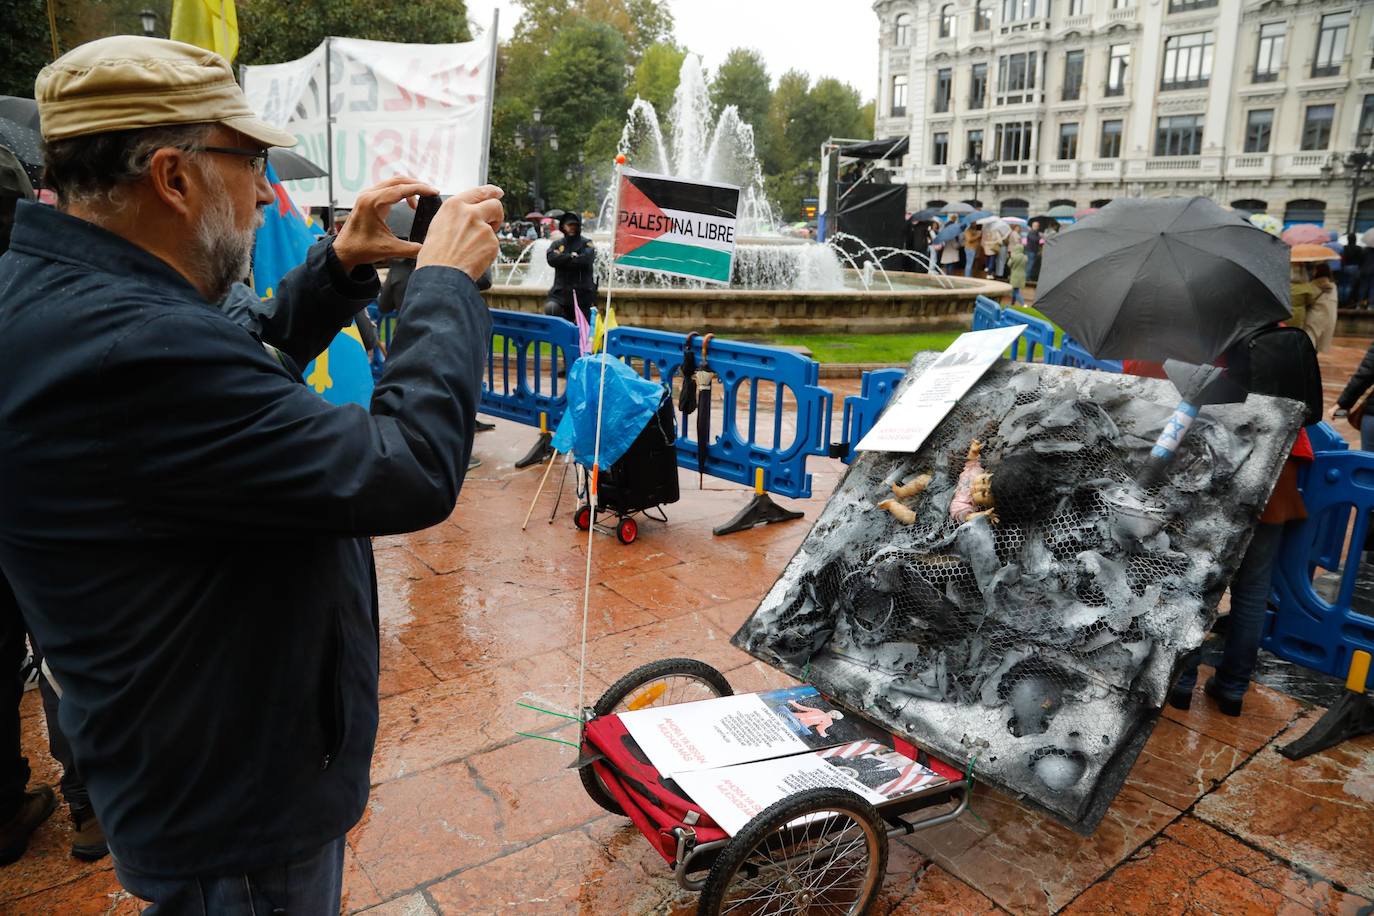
[(704, 378), (19, 133), (687, 398), (292, 166), (1171, 278), (930, 213)]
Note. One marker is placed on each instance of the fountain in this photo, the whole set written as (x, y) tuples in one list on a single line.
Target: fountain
[(779, 283)]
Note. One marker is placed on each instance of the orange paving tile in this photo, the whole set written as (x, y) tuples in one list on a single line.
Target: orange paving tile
[(466, 816)]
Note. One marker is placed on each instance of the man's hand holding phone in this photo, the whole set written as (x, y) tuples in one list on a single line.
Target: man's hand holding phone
[(463, 232)]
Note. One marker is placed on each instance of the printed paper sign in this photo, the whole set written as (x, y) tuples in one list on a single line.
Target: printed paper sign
[(906, 424), (681, 228), (739, 729), (733, 795)]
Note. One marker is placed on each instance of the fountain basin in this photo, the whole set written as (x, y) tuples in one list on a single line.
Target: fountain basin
[(918, 303)]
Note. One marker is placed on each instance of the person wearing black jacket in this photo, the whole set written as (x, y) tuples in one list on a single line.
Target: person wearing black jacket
[(573, 260), (1362, 258), (1360, 382), (184, 523)]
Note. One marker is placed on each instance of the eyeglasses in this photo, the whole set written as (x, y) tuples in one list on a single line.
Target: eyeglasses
[(257, 158)]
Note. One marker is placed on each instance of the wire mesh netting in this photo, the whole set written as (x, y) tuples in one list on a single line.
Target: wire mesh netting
[(1040, 638)]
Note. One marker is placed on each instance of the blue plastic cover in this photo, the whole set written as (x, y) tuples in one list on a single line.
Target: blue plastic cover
[(631, 401)]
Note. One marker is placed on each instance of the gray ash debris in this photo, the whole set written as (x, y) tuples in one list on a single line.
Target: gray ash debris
[(1044, 636)]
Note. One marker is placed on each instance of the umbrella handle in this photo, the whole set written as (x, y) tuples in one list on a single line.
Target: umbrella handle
[(705, 343)]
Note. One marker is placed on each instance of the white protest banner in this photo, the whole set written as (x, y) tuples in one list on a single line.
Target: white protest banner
[(397, 109), (906, 424)]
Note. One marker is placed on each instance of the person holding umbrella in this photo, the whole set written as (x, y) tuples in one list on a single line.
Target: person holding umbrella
[(973, 237), (1313, 294), (1183, 279)]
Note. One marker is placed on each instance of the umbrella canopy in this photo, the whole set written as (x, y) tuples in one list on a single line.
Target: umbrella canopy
[(1307, 253), (1060, 212), (1269, 224), (1086, 211), (292, 166), (14, 181), (957, 207), (995, 227), (1306, 234), (949, 233), (19, 133), (1015, 221), (1170, 278), (534, 214), (1045, 221), (923, 215)]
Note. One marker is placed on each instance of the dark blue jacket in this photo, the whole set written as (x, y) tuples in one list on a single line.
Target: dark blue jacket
[(185, 526)]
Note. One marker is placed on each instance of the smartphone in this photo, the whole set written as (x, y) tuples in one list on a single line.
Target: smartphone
[(425, 208)]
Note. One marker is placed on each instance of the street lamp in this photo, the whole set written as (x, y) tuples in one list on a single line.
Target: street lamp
[(576, 173), (979, 167), (536, 133), (1357, 162), (148, 19)]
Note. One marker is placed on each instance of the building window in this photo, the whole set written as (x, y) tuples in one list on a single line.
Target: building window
[(940, 149), (1068, 141), (1016, 73), (1109, 147), (1259, 128), (1073, 76), (899, 96), (944, 86), (1365, 133), (1078, 7), (1249, 205), (978, 85), (982, 16), (1017, 10), (1118, 62), (1012, 142), (1316, 126), (1270, 55), (1364, 216), (1187, 6), (1180, 135), (1187, 61), (1015, 206), (947, 20), (1122, 4), (973, 146), (1331, 44), (1304, 211), (903, 30)]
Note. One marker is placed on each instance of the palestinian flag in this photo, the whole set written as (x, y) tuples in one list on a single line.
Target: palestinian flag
[(682, 228)]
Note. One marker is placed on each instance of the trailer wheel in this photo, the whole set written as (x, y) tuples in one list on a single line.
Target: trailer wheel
[(627, 531), (818, 851), (582, 518), (661, 683)]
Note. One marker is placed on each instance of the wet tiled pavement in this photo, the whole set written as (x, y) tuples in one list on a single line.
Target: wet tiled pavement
[(467, 815)]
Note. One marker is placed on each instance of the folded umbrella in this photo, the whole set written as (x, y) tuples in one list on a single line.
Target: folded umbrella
[(687, 397), (704, 378), (1171, 278)]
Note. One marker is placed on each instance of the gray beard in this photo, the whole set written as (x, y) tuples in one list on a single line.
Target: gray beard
[(222, 253)]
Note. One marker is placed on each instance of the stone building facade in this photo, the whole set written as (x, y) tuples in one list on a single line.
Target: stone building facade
[(1250, 102)]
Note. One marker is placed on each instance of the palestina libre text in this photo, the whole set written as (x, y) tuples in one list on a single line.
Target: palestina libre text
[(662, 223)]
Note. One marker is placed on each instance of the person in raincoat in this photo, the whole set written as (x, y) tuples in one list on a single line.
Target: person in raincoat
[(1321, 313), (994, 253), (1304, 293), (1016, 268), (973, 236)]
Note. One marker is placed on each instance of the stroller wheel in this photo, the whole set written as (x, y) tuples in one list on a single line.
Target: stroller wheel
[(661, 683), (582, 518), (818, 851), (627, 530)]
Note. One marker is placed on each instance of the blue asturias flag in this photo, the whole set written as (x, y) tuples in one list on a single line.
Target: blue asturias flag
[(341, 374)]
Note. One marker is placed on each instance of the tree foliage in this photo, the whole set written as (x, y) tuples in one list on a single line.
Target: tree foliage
[(742, 81), (271, 31), (656, 76)]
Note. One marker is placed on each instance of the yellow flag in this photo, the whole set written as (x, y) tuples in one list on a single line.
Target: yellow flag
[(604, 326), (209, 24)]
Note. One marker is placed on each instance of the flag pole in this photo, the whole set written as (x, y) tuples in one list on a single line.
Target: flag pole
[(329, 129), (596, 448)]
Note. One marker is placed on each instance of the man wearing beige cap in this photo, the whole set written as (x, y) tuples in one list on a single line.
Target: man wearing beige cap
[(183, 522)]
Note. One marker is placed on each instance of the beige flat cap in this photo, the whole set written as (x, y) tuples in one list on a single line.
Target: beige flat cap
[(127, 82)]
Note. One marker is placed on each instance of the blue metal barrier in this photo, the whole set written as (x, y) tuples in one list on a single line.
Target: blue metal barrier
[(522, 379), (1316, 629), (741, 447), (1035, 345), (986, 314), (1072, 353), (861, 410)]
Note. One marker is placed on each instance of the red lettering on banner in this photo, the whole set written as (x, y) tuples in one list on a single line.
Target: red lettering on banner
[(386, 158)]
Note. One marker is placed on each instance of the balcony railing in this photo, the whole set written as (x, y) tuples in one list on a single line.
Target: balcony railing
[(1302, 164), (1122, 15), (935, 174), (1102, 169), (1175, 166), (1250, 165), (1061, 170), (1078, 22)]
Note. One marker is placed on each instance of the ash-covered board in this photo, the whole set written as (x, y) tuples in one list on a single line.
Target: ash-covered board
[(1042, 642)]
